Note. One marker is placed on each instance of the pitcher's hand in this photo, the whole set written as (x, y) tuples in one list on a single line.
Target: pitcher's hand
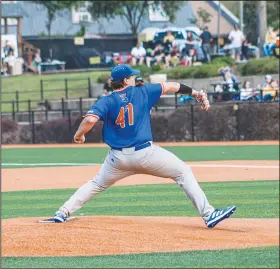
[(79, 139)]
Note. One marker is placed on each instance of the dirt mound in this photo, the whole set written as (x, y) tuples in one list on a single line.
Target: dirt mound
[(105, 235)]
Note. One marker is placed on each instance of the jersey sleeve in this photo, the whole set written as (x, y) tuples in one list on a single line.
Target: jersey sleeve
[(99, 109), (154, 92)]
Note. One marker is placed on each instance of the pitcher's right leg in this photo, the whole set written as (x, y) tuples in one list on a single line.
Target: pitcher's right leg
[(108, 174)]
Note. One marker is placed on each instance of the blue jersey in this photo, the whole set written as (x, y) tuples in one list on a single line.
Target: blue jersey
[(126, 115)]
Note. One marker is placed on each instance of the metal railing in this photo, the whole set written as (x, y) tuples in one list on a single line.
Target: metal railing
[(41, 94)]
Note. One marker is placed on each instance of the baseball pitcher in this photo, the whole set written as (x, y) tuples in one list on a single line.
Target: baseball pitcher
[(127, 130)]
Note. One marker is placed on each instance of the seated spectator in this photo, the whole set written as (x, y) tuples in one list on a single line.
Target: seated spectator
[(156, 56), (107, 86), (245, 48), (270, 41), (138, 54), (7, 49), (247, 93), (269, 88), (9, 62), (117, 58), (174, 56)]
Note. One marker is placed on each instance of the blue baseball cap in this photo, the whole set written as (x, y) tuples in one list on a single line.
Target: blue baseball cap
[(123, 71)]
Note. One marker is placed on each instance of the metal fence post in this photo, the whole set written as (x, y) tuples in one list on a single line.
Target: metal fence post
[(62, 107), (42, 89), (29, 110), (176, 100), (33, 127), (17, 100), (66, 89), (13, 107), (69, 121), (46, 115), (238, 120), (89, 88), (192, 122), (81, 106)]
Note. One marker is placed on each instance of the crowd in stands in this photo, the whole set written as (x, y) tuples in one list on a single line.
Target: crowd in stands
[(229, 89), (167, 53)]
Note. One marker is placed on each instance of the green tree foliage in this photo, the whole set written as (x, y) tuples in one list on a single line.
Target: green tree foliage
[(250, 16), (204, 16), (54, 8), (132, 11)]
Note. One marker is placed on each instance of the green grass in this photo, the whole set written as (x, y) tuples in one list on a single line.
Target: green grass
[(238, 258), (28, 82), (97, 155), (258, 199)]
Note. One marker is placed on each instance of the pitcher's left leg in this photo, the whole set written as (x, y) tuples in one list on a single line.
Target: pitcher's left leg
[(162, 163)]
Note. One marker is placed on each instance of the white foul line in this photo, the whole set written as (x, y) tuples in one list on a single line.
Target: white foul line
[(94, 164)]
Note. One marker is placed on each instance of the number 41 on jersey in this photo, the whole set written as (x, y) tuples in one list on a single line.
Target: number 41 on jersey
[(121, 117)]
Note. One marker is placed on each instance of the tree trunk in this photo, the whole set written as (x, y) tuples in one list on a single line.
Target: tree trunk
[(262, 24)]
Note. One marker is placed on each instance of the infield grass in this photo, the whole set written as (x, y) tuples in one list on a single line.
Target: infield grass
[(97, 155), (237, 258), (254, 199)]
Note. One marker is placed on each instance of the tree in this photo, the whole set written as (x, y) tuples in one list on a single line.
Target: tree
[(250, 19), (54, 8), (132, 11), (262, 23), (204, 17)]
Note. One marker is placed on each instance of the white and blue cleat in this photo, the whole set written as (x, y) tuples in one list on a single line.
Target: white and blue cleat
[(218, 215), (58, 218)]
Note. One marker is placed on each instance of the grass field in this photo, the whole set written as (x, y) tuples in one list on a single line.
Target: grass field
[(25, 83), (254, 199), (238, 258), (97, 155)]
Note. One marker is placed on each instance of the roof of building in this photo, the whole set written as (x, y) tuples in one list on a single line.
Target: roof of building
[(12, 10), (228, 15), (35, 16)]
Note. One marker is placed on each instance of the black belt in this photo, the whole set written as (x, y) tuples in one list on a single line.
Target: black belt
[(145, 145)]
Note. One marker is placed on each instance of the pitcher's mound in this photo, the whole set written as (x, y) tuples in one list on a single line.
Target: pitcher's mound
[(105, 235)]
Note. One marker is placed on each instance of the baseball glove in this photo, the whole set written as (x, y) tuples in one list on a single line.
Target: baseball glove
[(203, 100)]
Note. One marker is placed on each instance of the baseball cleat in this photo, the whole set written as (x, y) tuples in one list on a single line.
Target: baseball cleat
[(218, 215), (58, 218)]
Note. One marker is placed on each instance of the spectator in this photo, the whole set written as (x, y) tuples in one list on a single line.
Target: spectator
[(245, 49), (37, 62), (236, 37), (157, 55), (174, 57), (206, 39), (107, 86), (7, 49), (169, 38), (270, 41), (269, 88), (168, 41), (138, 54), (247, 93), (9, 62), (139, 81), (189, 49)]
